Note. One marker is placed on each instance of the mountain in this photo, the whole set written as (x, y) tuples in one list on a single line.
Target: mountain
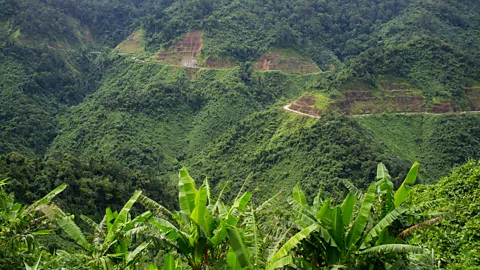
[(153, 86), (110, 97)]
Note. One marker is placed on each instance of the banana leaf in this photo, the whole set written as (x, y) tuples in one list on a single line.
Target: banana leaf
[(360, 222), (402, 193), (186, 192)]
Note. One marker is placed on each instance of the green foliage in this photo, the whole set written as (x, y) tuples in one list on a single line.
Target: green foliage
[(439, 142), (283, 149), (336, 240), (20, 225), (455, 238), (93, 185), (107, 124)]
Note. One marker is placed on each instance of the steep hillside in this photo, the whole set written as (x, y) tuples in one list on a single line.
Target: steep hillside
[(438, 142), (196, 69), (148, 115)]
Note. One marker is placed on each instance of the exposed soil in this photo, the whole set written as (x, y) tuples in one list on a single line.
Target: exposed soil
[(186, 53), (183, 52), (441, 108), (277, 61), (306, 105), (392, 100)]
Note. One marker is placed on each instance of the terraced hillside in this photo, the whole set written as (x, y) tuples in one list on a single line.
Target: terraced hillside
[(391, 95), (287, 61)]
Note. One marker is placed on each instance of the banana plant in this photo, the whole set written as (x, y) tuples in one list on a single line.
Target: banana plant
[(111, 247), (199, 230), (20, 224), (341, 233)]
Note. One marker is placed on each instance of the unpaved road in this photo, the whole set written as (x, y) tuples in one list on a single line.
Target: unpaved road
[(287, 107)]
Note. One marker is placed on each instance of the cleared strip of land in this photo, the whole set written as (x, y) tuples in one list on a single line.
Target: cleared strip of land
[(287, 108)]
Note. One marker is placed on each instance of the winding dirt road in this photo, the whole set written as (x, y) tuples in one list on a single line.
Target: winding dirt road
[(287, 108)]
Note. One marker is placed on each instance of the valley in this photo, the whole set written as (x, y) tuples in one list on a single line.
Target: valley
[(200, 134)]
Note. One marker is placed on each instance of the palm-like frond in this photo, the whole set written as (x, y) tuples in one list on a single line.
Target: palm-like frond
[(45, 200), (90, 222), (292, 243), (157, 209), (353, 189), (268, 203), (392, 248), (121, 218), (402, 193), (132, 256), (384, 223), (303, 214)]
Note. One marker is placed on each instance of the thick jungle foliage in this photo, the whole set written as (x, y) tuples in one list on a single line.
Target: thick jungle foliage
[(456, 211)]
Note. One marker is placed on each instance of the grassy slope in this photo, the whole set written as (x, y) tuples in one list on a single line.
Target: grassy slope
[(438, 142)]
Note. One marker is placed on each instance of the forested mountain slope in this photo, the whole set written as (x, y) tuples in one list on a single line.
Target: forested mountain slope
[(70, 86), (112, 97)]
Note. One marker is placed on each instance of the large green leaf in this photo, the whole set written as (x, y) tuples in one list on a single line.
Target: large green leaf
[(292, 243), (241, 252), (109, 218), (35, 266), (198, 213), (45, 200), (392, 248), (382, 172), (121, 218), (402, 193), (337, 228), (325, 214), (383, 224), (72, 230), (360, 222), (132, 256), (169, 263), (281, 263), (299, 196), (232, 260), (347, 208), (187, 192), (242, 201)]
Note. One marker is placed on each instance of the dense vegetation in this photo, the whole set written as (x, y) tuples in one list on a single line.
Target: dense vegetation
[(75, 111), (383, 228)]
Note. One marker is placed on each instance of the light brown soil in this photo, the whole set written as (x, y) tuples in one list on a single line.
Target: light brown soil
[(306, 105), (275, 61), (186, 53)]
